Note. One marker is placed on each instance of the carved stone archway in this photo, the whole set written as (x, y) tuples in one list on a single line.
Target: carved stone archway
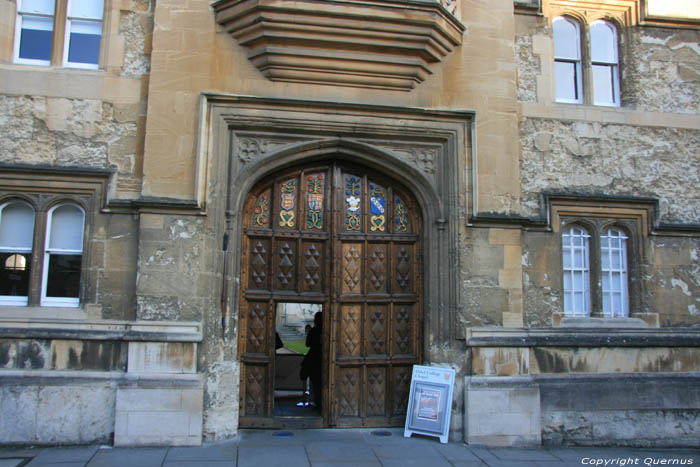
[(427, 151)]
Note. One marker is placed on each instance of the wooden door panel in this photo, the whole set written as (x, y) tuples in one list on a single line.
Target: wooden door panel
[(351, 272), (313, 261), (401, 385), (257, 324), (404, 329), (285, 261), (376, 330), (256, 389), (350, 330), (348, 391), (376, 391), (259, 269), (352, 243), (377, 268), (403, 280)]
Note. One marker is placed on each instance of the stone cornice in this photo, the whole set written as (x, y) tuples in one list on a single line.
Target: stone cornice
[(385, 44), (100, 330), (584, 337)]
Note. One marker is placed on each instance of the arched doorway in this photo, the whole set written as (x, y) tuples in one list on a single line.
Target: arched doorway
[(346, 240)]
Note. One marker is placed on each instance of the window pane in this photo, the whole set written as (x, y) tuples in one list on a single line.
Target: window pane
[(44, 7), (14, 274), (617, 305), (566, 43), (603, 43), (567, 258), (579, 306), (565, 77), (603, 84), (84, 46), (36, 38), (66, 228), (576, 278), (16, 227), (63, 279), (86, 9), (614, 246)]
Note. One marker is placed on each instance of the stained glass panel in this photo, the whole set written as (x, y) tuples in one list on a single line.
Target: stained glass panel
[(314, 201), (353, 220)]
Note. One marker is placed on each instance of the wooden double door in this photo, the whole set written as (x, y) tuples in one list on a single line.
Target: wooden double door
[(349, 240)]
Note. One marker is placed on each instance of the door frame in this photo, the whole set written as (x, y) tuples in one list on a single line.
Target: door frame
[(383, 312), (245, 138)]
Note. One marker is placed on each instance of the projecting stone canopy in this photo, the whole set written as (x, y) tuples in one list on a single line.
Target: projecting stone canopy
[(387, 44)]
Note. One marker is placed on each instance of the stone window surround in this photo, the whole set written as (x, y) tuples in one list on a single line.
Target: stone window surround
[(43, 189), (633, 219), (584, 23), (59, 42)]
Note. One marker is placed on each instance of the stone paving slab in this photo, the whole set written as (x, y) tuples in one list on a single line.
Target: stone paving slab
[(128, 457), (18, 452), (199, 463), (279, 456), (11, 462), (407, 452), (216, 452), (522, 454), (455, 452), (330, 451), (346, 464), (51, 456), (412, 462)]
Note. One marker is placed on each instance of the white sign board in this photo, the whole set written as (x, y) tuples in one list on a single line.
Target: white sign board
[(430, 402)]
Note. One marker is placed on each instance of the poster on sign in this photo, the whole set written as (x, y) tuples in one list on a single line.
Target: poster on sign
[(430, 402)]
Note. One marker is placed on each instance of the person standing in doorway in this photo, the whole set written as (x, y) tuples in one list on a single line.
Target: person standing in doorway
[(314, 341)]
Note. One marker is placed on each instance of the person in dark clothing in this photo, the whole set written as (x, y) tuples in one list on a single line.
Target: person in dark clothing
[(314, 358)]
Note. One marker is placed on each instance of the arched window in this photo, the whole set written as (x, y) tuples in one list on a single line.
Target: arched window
[(567, 60), (604, 63), (613, 265), (576, 271), (16, 236), (63, 256)]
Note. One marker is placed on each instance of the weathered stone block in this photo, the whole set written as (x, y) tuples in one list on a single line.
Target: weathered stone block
[(502, 411), (18, 406), (156, 415)]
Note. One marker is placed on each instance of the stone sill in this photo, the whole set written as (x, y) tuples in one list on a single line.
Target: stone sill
[(611, 115), (145, 380), (79, 329), (583, 337)]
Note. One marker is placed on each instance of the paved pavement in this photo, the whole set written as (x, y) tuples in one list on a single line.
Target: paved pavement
[(381, 447)]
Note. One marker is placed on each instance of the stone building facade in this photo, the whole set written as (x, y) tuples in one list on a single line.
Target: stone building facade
[(442, 178)]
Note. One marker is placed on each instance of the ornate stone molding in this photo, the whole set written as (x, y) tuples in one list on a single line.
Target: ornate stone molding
[(386, 44), (626, 12)]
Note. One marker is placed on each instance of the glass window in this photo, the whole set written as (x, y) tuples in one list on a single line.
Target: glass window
[(604, 62), (576, 271), (63, 256), (567, 60), (613, 262), (16, 236), (83, 33), (34, 32)]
